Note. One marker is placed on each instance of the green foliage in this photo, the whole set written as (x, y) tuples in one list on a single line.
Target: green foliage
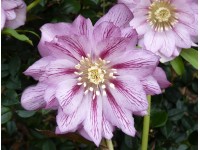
[(173, 116)]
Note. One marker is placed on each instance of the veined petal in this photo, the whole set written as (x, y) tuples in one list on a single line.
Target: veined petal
[(112, 48), (38, 68), (49, 31), (107, 128), (49, 97), (82, 26), (129, 93), (140, 113), (119, 15), (70, 123), (151, 86), (117, 115), (140, 63), (32, 98), (106, 30), (93, 121), (78, 46), (182, 37), (58, 68), (69, 95), (161, 78)]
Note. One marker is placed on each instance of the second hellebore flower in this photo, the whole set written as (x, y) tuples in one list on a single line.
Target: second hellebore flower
[(13, 13), (93, 75), (164, 26)]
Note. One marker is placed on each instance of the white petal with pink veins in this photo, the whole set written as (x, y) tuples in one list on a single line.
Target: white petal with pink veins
[(119, 14), (38, 68), (151, 86), (69, 95), (117, 115), (70, 123), (49, 31), (141, 65), (105, 30), (129, 93), (58, 68), (107, 128), (33, 97), (93, 121)]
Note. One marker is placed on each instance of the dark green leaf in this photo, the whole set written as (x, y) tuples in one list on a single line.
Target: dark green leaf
[(193, 138), (158, 118), (14, 65), (48, 145), (25, 114), (11, 127), (6, 115), (175, 114)]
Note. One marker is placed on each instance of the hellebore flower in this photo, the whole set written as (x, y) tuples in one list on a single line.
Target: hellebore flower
[(13, 13), (165, 26), (93, 75)]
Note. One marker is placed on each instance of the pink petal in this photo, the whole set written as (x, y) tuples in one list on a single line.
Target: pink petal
[(7, 5), (57, 50), (93, 121), (153, 41), (69, 95), (77, 45), (20, 18), (139, 63), (117, 115), (58, 68), (138, 21), (32, 98), (119, 15), (129, 93), (106, 30), (151, 86), (10, 14), (70, 123), (49, 31), (38, 68), (143, 28), (3, 18), (168, 44), (107, 128), (161, 78), (182, 37), (112, 48), (49, 97), (140, 113), (82, 26)]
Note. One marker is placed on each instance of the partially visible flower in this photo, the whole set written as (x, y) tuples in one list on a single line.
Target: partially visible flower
[(165, 26), (13, 13), (93, 75)]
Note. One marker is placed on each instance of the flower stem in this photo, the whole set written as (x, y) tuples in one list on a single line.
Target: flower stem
[(109, 144), (146, 122), (33, 4)]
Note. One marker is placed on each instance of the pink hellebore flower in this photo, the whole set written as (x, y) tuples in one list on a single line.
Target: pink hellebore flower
[(13, 13), (93, 75), (164, 26)]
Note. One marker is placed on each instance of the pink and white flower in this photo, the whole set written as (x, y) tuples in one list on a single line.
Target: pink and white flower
[(165, 26), (94, 75), (13, 13)]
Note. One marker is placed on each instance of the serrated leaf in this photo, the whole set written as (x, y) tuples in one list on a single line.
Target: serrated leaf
[(177, 65), (13, 33), (190, 55), (25, 114)]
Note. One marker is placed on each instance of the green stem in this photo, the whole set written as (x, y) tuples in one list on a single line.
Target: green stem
[(33, 4), (109, 144), (146, 122)]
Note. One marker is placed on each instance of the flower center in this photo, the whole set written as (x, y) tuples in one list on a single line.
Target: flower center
[(162, 15), (94, 75)]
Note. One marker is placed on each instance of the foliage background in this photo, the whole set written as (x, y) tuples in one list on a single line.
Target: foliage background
[(173, 115)]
